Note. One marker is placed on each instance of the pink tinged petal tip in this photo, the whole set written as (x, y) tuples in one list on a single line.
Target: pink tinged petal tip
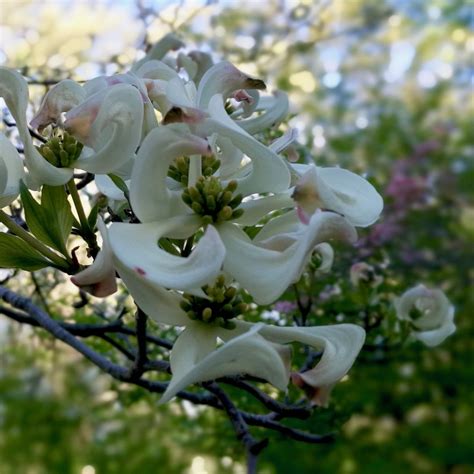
[(243, 96), (317, 396), (140, 271), (302, 216)]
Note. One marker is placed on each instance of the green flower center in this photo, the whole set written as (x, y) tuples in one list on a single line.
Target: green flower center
[(61, 150), (223, 305), (179, 170), (212, 201)]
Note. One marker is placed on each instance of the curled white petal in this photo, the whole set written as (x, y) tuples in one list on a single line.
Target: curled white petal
[(430, 313), (60, 98), (338, 190), (203, 61), (267, 272), (267, 171), (150, 198), (285, 140), (110, 122), (194, 360), (256, 209), (14, 90), (326, 253), (340, 343), (136, 247), (275, 109), (11, 172), (169, 42), (224, 78), (158, 303)]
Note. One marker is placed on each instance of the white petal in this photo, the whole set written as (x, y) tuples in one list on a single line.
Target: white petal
[(188, 65), (436, 314), (266, 273), (285, 140), (340, 343), (11, 172), (286, 223), (99, 278), (177, 93), (155, 69), (150, 198), (435, 337), (158, 303), (115, 132), (229, 156), (326, 253), (274, 113), (269, 172), (341, 191), (60, 98), (169, 42), (107, 187), (204, 62), (224, 78), (14, 90), (248, 353), (256, 209), (136, 247)]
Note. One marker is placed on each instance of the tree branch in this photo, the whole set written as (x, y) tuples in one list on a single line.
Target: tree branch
[(67, 332)]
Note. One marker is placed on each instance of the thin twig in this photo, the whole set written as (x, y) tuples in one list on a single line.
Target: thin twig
[(252, 446), (141, 357)]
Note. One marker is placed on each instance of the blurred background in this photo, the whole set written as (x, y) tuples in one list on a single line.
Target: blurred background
[(381, 87)]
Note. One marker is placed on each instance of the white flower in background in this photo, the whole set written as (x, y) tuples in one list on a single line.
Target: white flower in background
[(11, 172), (429, 312), (338, 190)]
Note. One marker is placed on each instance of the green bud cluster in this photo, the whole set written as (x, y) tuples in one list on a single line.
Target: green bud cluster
[(213, 202), (61, 151), (223, 305), (179, 170)]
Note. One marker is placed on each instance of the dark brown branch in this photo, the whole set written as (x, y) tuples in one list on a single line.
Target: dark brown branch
[(141, 357), (270, 403), (252, 446), (265, 421)]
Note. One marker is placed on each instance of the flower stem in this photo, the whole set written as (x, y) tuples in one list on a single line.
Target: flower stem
[(86, 231), (13, 227), (71, 186)]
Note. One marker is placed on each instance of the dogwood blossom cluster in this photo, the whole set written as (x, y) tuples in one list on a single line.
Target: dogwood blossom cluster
[(217, 215)]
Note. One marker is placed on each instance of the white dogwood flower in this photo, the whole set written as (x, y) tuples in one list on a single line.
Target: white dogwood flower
[(429, 312), (338, 190), (255, 349)]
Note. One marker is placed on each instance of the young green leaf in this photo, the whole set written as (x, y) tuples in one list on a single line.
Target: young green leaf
[(54, 200), (16, 253), (50, 221), (120, 183)]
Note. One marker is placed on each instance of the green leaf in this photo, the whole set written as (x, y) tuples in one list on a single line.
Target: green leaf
[(16, 253), (54, 200), (51, 221), (92, 217), (120, 183)]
